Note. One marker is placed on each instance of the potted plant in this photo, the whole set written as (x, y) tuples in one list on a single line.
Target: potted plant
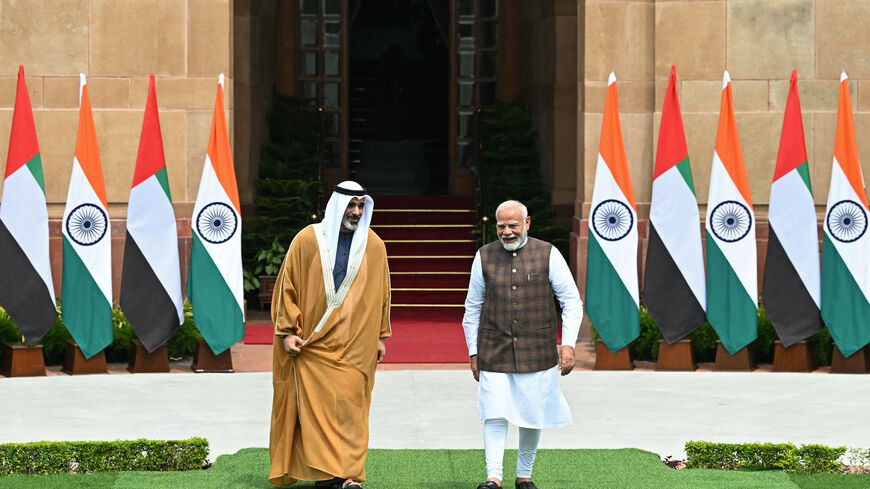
[(18, 359), (263, 278), (288, 192)]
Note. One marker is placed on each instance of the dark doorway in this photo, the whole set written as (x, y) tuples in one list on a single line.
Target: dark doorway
[(399, 96)]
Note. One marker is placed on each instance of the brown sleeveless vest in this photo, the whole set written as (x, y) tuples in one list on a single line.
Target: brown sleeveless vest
[(517, 331)]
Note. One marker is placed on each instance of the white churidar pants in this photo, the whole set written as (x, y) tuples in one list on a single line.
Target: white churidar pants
[(531, 401), (494, 435)]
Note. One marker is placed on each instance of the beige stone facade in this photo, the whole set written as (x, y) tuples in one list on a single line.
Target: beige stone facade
[(759, 43)]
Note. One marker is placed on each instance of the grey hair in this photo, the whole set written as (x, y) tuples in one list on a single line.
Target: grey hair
[(510, 203)]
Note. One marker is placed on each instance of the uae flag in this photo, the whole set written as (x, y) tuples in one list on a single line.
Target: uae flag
[(214, 282), (792, 284), (611, 261), (87, 244), (846, 244), (732, 286), (673, 284), (26, 290), (151, 279)]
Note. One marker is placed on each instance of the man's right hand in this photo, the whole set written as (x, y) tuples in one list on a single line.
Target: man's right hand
[(474, 371), (293, 344)]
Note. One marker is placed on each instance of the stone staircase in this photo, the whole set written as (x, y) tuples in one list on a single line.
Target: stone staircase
[(431, 245)]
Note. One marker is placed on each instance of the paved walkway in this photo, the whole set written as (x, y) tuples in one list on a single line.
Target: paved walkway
[(655, 411)]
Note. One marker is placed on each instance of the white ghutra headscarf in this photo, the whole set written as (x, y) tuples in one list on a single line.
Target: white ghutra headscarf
[(332, 217)]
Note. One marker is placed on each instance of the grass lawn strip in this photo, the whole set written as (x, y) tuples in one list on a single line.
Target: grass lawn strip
[(440, 469)]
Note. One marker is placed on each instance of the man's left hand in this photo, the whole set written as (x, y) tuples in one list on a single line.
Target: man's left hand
[(382, 349), (566, 359)]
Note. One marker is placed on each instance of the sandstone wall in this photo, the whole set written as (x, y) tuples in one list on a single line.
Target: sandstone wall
[(549, 79)]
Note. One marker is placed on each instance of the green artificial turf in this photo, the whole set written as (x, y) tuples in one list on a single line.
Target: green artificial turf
[(459, 469)]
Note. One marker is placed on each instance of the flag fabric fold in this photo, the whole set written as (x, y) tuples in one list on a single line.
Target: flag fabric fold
[(87, 244), (612, 301), (674, 290), (151, 277), (845, 243), (26, 287), (214, 280), (792, 275), (732, 282)]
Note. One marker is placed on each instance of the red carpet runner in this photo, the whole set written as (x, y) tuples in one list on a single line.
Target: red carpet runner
[(430, 246)]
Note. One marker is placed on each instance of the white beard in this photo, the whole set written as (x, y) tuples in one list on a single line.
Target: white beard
[(349, 225), (521, 238)]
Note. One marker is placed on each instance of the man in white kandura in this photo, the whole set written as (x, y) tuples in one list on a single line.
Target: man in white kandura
[(510, 329)]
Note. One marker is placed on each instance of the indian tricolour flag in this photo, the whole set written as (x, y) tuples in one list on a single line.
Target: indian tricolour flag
[(846, 243), (792, 287), (87, 244), (214, 282), (732, 286), (26, 289), (151, 279), (673, 285), (611, 264)]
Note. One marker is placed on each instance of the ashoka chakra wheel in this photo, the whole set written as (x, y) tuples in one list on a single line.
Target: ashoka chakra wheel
[(612, 220), (847, 221), (87, 224), (217, 222), (730, 221)]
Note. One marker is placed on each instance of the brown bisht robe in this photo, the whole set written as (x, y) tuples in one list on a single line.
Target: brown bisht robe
[(320, 406)]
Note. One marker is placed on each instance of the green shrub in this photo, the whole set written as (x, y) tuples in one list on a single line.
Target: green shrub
[(8, 332), (122, 346), (54, 342), (102, 456), (764, 345), (704, 343), (183, 341), (820, 458), (510, 169), (763, 456), (822, 346), (646, 346), (288, 189)]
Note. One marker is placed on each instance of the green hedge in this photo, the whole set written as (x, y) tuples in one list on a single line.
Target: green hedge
[(763, 456), (102, 456)]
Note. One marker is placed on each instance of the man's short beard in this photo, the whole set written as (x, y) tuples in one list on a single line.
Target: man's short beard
[(521, 238), (350, 226)]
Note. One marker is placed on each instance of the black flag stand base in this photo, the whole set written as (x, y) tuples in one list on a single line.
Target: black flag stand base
[(676, 357), (204, 360), (143, 362), (742, 361), (796, 358), (857, 363), (604, 360), (75, 363), (22, 361)]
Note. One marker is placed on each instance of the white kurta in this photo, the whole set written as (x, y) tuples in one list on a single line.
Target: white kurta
[(534, 399)]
